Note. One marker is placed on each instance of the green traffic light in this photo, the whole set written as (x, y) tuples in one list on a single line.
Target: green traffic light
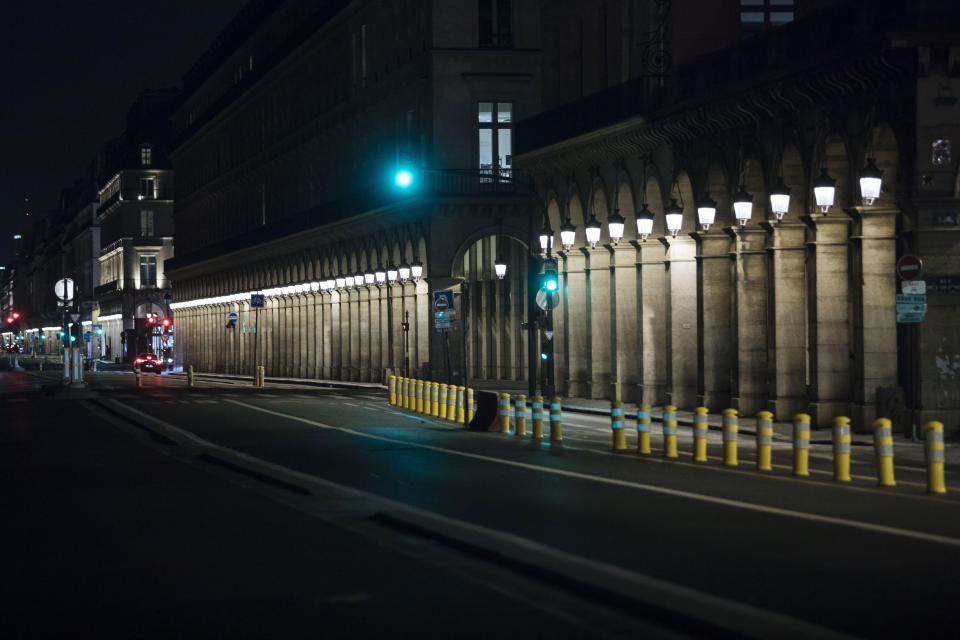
[(551, 284), (73, 338), (544, 356), (403, 179)]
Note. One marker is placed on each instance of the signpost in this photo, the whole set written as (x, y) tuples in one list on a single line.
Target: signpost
[(444, 315), (256, 302), (909, 267)]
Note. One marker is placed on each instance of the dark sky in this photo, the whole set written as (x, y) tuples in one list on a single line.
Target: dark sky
[(71, 70)]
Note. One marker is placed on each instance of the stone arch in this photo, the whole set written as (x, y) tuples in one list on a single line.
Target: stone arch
[(836, 160), (755, 184), (885, 149), (791, 163), (554, 219), (624, 202), (654, 200), (683, 192)]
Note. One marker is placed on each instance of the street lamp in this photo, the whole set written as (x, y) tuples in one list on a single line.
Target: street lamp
[(870, 182), (707, 212), (780, 199), (674, 215), (369, 278), (500, 268), (568, 235), (404, 272), (824, 189), (546, 238), (416, 270), (380, 275), (341, 282), (391, 273), (742, 205), (592, 230), (615, 226), (644, 222)]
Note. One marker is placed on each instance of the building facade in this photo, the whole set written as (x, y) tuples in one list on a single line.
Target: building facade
[(784, 305), (347, 160)]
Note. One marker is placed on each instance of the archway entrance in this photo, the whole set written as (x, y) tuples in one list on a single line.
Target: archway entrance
[(495, 345)]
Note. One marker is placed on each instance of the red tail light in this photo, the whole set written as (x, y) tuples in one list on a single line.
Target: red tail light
[(139, 360)]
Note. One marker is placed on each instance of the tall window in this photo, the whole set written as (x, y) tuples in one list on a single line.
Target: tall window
[(148, 271), (146, 223), (146, 155), (496, 23), (495, 140), (148, 188), (758, 15)]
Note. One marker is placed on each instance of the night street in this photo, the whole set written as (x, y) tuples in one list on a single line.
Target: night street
[(503, 517)]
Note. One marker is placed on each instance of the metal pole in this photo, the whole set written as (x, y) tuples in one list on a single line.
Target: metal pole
[(532, 355), (256, 335), (406, 345)]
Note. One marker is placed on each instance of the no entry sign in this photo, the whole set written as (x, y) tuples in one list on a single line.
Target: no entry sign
[(909, 267), (442, 300)]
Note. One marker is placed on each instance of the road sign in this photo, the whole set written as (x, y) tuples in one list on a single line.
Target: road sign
[(442, 300), (909, 267), (445, 319), (943, 284), (232, 316), (256, 300), (74, 316), (914, 286), (64, 289), (910, 317), (548, 335), (547, 300)]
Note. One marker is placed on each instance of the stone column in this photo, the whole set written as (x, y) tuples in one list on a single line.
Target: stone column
[(600, 329), (750, 312), (652, 302), (714, 336), (330, 346), (874, 310), (376, 341), (575, 325), (681, 307), (353, 328), (787, 324), (423, 327), (626, 337), (396, 306), (828, 317), (363, 330)]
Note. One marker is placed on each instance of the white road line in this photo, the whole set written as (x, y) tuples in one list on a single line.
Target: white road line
[(729, 502)]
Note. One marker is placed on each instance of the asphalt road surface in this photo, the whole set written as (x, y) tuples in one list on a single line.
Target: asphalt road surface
[(236, 509)]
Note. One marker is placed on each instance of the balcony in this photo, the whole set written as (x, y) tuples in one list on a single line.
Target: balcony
[(135, 194)]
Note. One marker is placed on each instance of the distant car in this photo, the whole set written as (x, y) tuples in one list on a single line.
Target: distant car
[(149, 362)]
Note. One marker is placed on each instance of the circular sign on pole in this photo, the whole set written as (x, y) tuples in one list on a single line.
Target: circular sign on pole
[(909, 267), (440, 304), (64, 289), (232, 316), (547, 301)]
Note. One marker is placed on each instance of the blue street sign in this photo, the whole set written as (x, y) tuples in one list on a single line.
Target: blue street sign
[(442, 300), (256, 300)]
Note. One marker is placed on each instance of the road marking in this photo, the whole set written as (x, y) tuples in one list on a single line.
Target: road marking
[(729, 502)]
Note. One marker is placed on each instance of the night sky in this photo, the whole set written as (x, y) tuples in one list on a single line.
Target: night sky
[(72, 69)]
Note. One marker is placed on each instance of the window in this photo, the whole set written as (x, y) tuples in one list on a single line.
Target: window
[(758, 15), (148, 271), (495, 140), (496, 23), (146, 155), (146, 223), (940, 153), (148, 188)]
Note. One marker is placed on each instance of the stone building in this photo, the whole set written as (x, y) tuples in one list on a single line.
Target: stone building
[(683, 112), (347, 160)]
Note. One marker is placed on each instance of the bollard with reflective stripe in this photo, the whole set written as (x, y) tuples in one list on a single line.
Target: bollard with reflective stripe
[(412, 393), (536, 417), (520, 414), (883, 446), (442, 409), (643, 428), (504, 413), (66, 363), (730, 431), (933, 446), (393, 389), (461, 414), (670, 431), (801, 445), (616, 424), (403, 400), (136, 373), (764, 441), (469, 406), (419, 396), (190, 380), (556, 417), (435, 399), (700, 428), (452, 403), (841, 449)]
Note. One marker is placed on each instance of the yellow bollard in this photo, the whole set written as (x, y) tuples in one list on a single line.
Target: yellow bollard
[(442, 409), (263, 376), (419, 396), (730, 430), (841, 449), (764, 441), (801, 445), (469, 406), (435, 399), (190, 379), (520, 414), (452, 403), (643, 428), (556, 418), (700, 428), (669, 431), (536, 417), (403, 393), (461, 414), (412, 393), (883, 447), (933, 446), (504, 413), (136, 373), (616, 424), (393, 389)]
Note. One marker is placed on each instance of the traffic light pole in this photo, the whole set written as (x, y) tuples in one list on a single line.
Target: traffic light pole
[(533, 350)]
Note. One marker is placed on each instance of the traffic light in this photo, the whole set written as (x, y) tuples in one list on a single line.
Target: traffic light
[(12, 317), (151, 319), (404, 326), (403, 178), (99, 329), (166, 323), (549, 282)]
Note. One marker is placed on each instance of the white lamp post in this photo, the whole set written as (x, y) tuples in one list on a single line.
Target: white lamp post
[(500, 268), (780, 199), (870, 182), (592, 230), (644, 222), (742, 205), (824, 189), (546, 238), (568, 235), (674, 215), (416, 270), (404, 272), (707, 212), (615, 226), (391, 273)]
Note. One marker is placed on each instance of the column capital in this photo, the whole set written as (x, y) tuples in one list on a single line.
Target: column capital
[(711, 245)]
